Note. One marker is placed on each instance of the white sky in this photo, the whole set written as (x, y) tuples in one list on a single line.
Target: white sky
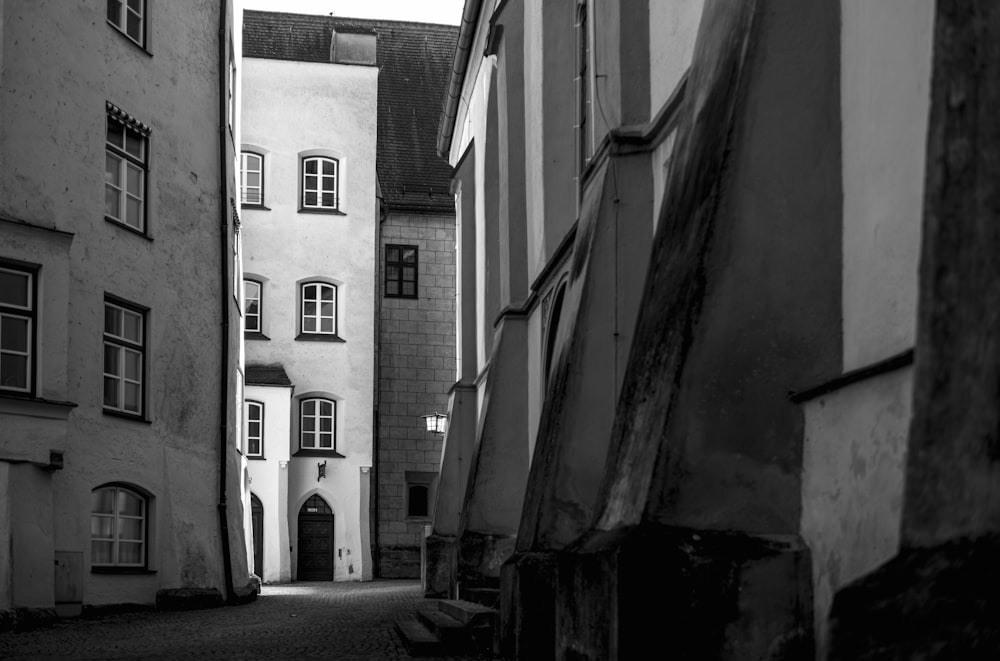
[(422, 11)]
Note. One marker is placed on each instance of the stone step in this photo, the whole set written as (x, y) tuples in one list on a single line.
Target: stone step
[(468, 612), (419, 641), (449, 630)]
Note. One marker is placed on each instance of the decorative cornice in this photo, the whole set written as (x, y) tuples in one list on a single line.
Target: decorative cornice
[(127, 119)]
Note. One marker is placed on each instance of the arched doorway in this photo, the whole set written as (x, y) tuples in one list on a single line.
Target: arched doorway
[(257, 523), (315, 540)]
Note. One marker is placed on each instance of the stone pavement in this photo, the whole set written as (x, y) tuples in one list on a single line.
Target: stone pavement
[(312, 620)]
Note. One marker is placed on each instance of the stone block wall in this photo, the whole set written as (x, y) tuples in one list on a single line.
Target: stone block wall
[(417, 367)]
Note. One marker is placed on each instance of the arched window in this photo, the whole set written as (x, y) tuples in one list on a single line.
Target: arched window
[(320, 180), (251, 179), (317, 424), (255, 428), (319, 308), (118, 527)]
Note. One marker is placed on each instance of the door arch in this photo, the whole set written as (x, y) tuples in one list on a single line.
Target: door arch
[(257, 524), (315, 540)]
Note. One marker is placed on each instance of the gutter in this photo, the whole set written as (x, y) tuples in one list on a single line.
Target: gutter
[(466, 34), (223, 506)]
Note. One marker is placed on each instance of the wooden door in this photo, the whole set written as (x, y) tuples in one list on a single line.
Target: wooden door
[(315, 541)]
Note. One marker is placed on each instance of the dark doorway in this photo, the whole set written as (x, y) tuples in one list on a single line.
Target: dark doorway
[(257, 521), (315, 541)]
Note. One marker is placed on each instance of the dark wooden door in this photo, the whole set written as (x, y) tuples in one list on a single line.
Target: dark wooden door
[(315, 547), (257, 520)]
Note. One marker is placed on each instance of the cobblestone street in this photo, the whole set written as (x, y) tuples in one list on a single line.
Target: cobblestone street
[(321, 620)]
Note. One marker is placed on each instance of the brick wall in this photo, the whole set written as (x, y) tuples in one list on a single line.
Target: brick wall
[(417, 364)]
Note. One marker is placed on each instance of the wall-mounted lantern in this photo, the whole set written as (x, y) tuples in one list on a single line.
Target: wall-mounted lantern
[(435, 422), (320, 470)]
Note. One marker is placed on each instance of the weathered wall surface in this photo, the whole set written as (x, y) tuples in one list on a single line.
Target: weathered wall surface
[(61, 64), (852, 482), (885, 101), (335, 111), (672, 29), (417, 359)]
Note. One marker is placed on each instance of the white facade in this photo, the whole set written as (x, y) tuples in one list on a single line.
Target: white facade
[(292, 112)]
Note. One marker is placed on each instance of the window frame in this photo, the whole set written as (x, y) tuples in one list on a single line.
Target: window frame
[(125, 344), (259, 315), (28, 313), (249, 404), (125, 159), (425, 479), (243, 172), (317, 416), (319, 190), (122, 25), (116, 566), (401, 264), (319, 317)]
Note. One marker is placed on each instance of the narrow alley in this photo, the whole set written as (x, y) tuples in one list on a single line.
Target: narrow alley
[(307, 620)]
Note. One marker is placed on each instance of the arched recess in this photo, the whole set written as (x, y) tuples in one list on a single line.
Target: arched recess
[(315, 540), (257, 523)]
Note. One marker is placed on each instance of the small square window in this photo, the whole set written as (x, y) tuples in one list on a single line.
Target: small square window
[(400, 271)]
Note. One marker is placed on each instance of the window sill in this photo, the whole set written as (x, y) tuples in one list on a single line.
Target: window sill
[(256, 457), (128, 416), (308, 452), (329, 212), (121, 570), (258, 207), (129, 39), (129, 228), (26, 404), (412, 297), (318, 337), (254, 335)]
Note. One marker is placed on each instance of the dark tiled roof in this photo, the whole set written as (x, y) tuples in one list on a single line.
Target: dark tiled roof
[(414, 62), (266, 375)]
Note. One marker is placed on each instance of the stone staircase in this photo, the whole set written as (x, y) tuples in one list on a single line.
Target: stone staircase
[(449, 626)]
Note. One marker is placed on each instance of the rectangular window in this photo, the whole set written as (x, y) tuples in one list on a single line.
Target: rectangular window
[(129, 18), (319, 183), (317, 423), (124, 358), (319, 308), (401, 271), (255, 429), (125, 169), (251, 302), (251, 179), (17, 329)]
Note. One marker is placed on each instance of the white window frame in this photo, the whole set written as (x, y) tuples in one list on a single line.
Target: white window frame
[(316, 319), (125, 346), (120, 160), (246, 189), (125, 9), (116, 539), (319, 189), (254, 414), (315, 416), (248, 298), (13, 313)]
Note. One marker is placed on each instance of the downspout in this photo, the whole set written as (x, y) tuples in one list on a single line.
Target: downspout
[(466, 33), (225, 373)]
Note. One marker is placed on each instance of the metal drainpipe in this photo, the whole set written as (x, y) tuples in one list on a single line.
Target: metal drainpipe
[(227, 561)]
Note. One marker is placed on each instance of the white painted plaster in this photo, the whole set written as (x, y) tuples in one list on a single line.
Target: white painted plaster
[(885, 100), (673, 27), (334, 111), (852, 482), (269, 479)]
